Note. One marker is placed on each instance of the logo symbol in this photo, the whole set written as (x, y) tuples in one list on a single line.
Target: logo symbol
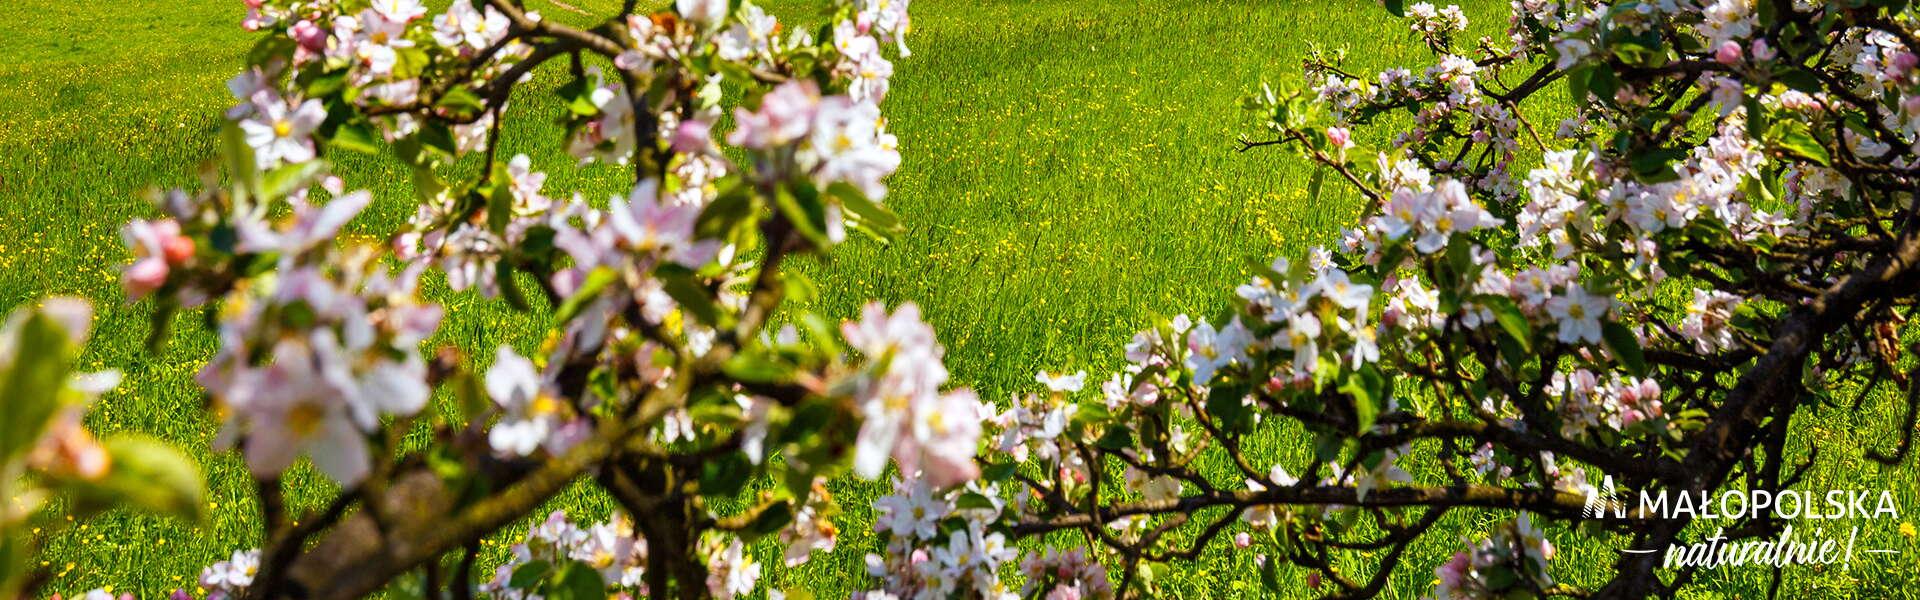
[(1599, 503)]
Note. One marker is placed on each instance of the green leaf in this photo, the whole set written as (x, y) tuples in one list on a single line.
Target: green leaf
[(692, 297), (800, 289), (578, 95), (499, 197), (1625, 347), (725, 475), (1797, 140), (146, 474), (1364, 387), (1270, 575), (290, 178), (528, 575), (435, 135), (1224, 405), (356, 137), (730, 210), (595, 283), (409, 62), (1757, 122), (1090, 415), (1397, 8), (269, 49), (770, 520), (756, 367), (801, 205), (1799, 78), (973, 501), (510, 286), (1508, 315), (327, 83), (1656, 166), (1579, 80), (461, 101), (241, 168), (1117, 438), (32, 388), (870, 216)]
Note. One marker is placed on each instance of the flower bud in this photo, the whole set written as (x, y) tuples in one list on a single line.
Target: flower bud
[(310, 36), (143, 277), (1728, 53), (1339, 137), (692, 136), (177, 249), (1904, 62)]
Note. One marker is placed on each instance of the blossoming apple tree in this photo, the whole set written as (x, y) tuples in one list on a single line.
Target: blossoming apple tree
[(1718, 233)]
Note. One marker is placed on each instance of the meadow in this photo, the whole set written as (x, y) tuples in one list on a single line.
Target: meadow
[(1070, 174)]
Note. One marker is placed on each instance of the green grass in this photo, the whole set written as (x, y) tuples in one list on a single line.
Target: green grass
[(1069, 174)]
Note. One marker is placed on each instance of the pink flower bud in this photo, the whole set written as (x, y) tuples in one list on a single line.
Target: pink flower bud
[(1728, 53), (1339, 137), (310, 36), (177, 249), (1276, 385), (1242, 540), (1762, 51), (1313, 579), (1905, 61), (144, 276), (693, 136)]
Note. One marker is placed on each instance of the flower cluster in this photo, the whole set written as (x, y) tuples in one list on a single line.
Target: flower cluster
[(1436, 23), (230, 578), (1588, 404), (1035, 427), (940, 543), (831, 139), (1428, 215), (905, 415), (1064, 575), (314, 354), (609, 548), (1512, 560)]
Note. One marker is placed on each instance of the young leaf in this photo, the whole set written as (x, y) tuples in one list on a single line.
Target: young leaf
[(770, 520), (1507, 314), (33, 387), (1625, 347), (596, 281), (1798, 141), (144, 473)]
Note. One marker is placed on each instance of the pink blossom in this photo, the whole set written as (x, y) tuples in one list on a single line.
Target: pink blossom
[(785, 115), (1339, 138), (311, 37), (693, 136), (157, 247), (1728, 53)]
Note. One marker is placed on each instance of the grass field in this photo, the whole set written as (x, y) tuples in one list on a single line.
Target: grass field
[(1069, 174)]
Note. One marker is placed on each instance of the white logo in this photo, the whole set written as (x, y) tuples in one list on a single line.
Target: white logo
[(1599, 503)]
